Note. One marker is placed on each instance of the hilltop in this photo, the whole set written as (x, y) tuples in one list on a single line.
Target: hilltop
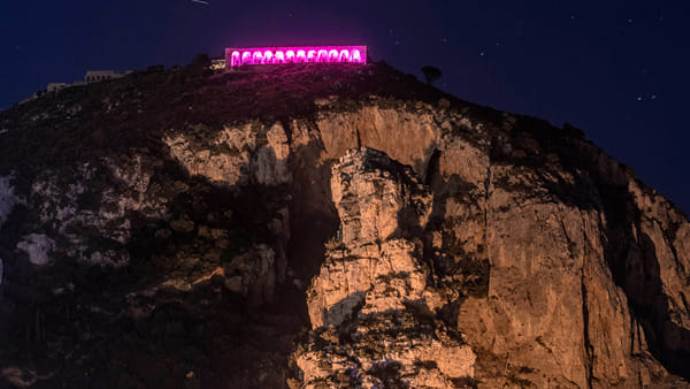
[(326, 226)]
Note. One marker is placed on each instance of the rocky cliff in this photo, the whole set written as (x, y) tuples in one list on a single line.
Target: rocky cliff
[(326, 226)]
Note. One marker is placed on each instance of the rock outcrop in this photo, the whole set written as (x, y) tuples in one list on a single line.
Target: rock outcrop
[(333, 226), (371, 307)]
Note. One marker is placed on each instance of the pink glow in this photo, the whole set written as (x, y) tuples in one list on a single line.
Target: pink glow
[(301, 56), (279, 55), (245, 58), (235, 58), (344, 56), (268, 57), (290, 55)]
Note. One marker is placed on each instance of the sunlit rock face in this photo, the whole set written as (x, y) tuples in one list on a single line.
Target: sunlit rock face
[(409, 137), (326, 227), (373, 288), (377, 210), (235, 156)]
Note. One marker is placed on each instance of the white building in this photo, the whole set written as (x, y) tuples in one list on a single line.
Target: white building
[(91, 77), (101, 75), (56, 86), (218, 64)]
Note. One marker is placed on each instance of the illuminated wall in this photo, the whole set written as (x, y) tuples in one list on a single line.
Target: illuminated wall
[(236, 57)]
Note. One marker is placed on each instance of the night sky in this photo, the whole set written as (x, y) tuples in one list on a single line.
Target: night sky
[(617, 69)]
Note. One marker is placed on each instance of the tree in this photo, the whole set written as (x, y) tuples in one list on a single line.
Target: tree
[(201, 60), (200, 63), (431, 73)]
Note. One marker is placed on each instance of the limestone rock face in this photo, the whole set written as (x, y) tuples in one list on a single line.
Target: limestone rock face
[(236, 154), (326, 227), (374, 290), (370, 200), (373, 126)]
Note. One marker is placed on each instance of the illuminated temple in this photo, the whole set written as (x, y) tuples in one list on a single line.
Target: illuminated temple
[(236, 57)]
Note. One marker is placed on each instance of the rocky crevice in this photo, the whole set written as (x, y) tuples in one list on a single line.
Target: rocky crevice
[(585, 332)]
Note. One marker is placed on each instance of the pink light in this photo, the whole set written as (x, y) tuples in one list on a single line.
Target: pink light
[(268, 57), (235, 59), (301, 56), (284, 55), (257, 58), (344, 56), (246, 58)]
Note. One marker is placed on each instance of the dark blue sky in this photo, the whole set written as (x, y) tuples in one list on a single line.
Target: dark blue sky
[(618, 69)]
